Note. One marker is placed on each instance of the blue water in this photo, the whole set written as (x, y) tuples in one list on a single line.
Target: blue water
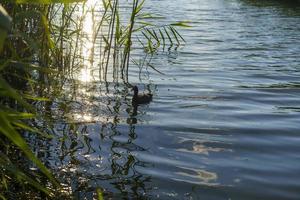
[(225, 118)]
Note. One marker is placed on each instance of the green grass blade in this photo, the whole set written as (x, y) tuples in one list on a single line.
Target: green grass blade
[(28, 67), (152, 67), (162, 37), (171, 42), (18, 115), (5, 24), (181, 24), (21, 176), (174, 34), (5, 19), (24, 126), (7, 129), (10, 92), (99, 194), (139, 7), (178, 33), (2, 197)]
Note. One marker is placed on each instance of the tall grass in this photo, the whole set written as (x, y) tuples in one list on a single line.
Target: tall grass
[(40, 47)]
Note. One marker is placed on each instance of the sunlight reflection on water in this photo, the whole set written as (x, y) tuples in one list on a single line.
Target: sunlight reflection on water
[(90, 15)]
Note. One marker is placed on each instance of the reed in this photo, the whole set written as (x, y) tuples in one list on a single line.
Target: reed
[(40, 48)]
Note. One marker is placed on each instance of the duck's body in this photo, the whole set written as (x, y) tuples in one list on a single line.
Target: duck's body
[(140, 98)]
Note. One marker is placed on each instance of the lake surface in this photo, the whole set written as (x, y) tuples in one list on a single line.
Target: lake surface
[(225, 118)]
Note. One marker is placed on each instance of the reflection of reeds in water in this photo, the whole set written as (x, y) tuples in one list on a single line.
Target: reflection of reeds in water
[(99, 146)]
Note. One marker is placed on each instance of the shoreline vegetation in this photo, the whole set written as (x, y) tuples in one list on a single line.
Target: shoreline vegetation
[(42, 45)]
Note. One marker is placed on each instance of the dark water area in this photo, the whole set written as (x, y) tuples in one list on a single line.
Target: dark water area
[(225, 118)]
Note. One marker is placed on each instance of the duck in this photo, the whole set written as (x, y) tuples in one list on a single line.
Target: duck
[(138, 99)]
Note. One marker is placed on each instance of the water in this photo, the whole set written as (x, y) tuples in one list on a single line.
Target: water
[(224, 121)]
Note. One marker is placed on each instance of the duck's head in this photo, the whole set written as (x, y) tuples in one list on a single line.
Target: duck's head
[(135, 89)]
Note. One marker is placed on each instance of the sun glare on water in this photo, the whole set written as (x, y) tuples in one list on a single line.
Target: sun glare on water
[(89, 13), (88, 28), (85, 75)]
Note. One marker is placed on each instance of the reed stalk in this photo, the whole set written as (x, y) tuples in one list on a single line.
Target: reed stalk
[(39, 50)]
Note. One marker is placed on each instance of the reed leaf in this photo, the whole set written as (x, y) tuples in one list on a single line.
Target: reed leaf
[(23, 126), (19, 115), (169, 37), (21, 176), (7, 91), (174, 34), (44, 1), (139, 7), (149, 16), (162, 37), (181, 24), (7, 129), (152, 67), (5, 19), (99, 194), (177, 33), (2, 197), (29, 67), (5, 24)]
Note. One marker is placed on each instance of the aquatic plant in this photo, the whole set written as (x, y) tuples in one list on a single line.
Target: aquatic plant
[(40, 47)]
